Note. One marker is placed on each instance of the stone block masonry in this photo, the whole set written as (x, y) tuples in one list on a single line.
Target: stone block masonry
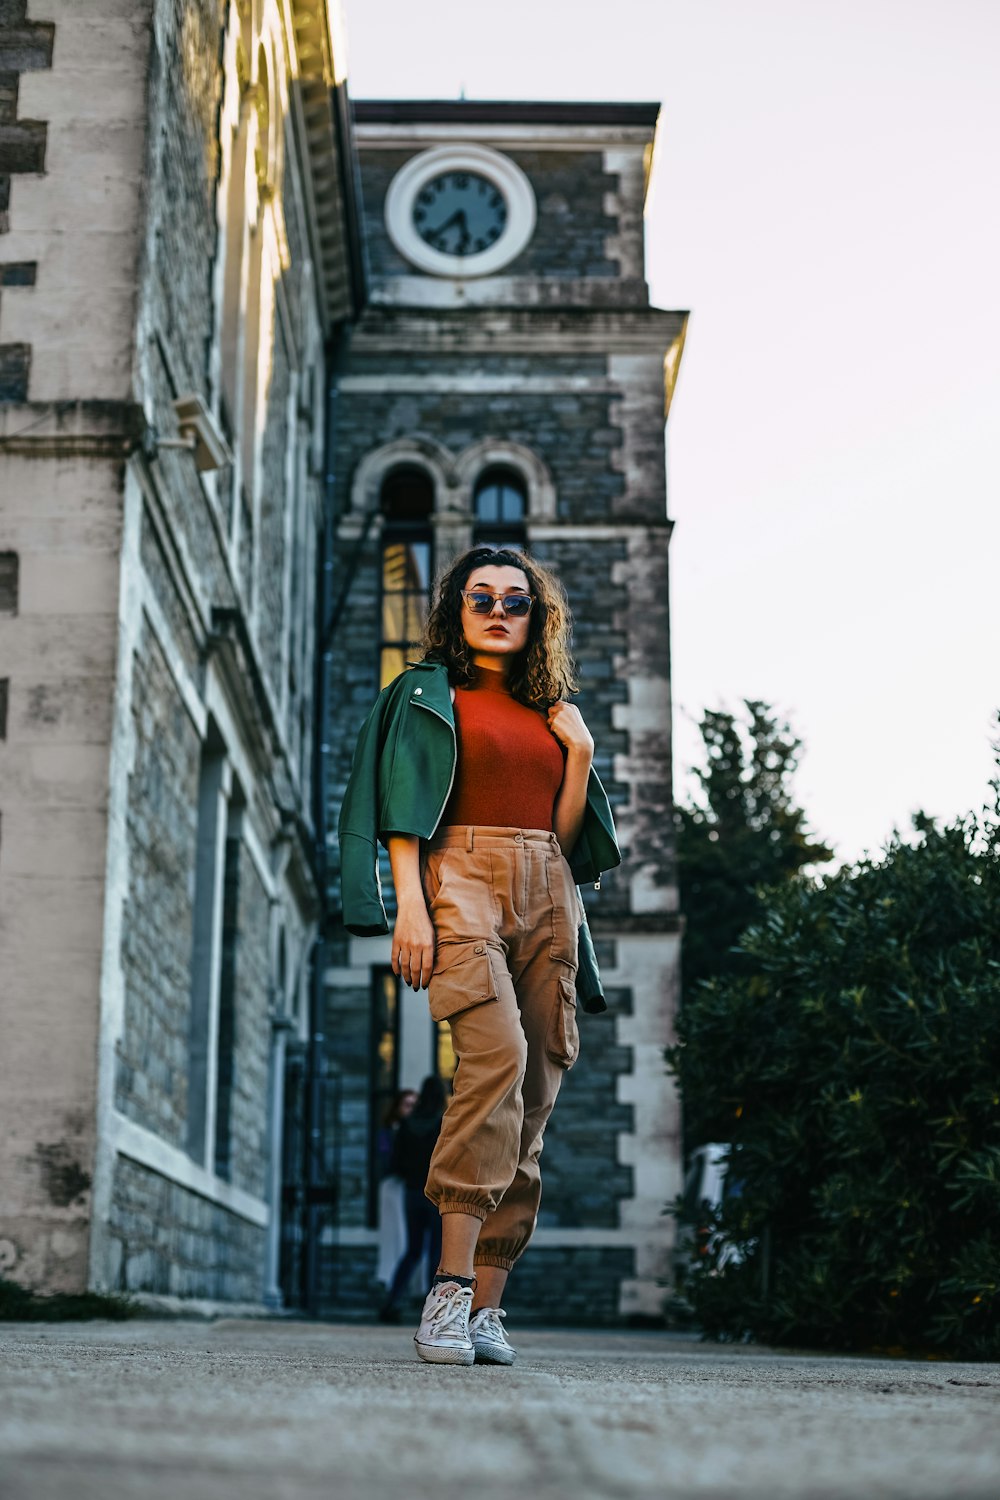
[(166, 1240), (25, 46), (246, 1041), (573, 429), (573, 226), (157, 931)]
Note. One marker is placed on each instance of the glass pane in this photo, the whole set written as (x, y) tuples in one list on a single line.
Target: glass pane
[(511, 503), (393, 662), (406, 565), (500, 496), (415, 617), (488, 503), (420, 565), (393, 616), (407, 495), (403, 617)]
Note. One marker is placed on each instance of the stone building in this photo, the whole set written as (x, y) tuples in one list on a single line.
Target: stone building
[(177, 252), (509, 380)]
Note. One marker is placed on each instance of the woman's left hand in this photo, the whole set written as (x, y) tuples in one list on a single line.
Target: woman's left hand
[(566, 723)]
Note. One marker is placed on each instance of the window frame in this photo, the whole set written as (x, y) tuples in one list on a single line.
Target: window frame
[(502, 532), (402, 531)]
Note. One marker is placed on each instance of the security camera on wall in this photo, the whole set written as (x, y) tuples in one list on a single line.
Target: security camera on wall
[(200, 433)]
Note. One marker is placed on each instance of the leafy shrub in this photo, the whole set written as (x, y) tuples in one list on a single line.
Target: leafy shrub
[(856, 1071)]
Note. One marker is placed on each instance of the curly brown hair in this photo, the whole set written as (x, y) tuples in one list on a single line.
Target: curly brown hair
[(543, 672)]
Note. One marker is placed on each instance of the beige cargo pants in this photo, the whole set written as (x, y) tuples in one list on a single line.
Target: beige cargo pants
[(506, 914)]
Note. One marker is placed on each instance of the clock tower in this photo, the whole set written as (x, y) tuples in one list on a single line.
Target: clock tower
[(509, 382)]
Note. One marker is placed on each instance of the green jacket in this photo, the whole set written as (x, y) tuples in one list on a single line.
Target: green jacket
[(403, 772)]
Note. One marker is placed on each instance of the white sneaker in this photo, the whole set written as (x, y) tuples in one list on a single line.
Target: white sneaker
[(489, 1339), (443, 1335)]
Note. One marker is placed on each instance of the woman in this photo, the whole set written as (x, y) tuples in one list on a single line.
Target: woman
[(476, 774), (412, 1148)]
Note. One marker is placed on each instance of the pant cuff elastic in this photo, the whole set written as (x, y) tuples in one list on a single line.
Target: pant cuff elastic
[(502, 1262), (454, 1206)]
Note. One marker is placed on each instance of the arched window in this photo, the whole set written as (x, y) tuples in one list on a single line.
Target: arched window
[(407, 500), (500, 503)]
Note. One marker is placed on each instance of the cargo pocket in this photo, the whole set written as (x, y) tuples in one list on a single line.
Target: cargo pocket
[(463, 977), (565, 901), (563, 1041)]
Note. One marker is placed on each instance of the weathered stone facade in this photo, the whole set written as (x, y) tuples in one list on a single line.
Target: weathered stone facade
[(177, 173), (554, 371)]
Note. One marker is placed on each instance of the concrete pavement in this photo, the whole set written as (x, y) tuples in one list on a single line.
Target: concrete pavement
[(248, 1410)]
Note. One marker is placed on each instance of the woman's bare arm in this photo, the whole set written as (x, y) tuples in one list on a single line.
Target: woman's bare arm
[(566, 723), (413, 935)]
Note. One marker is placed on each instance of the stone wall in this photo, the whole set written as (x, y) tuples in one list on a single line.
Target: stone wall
[(152, 1054), (249, 1046), (25, 47), (72, 139), (168, 1241), (583, 1179), (575, 431), (572, 227), (184, 90), (575, 1286), (57, 646)]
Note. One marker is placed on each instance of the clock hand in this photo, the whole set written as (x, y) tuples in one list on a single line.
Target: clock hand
[(457, 217)]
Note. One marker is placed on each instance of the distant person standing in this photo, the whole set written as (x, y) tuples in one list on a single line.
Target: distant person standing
[(415, 1139), (391, 1212)]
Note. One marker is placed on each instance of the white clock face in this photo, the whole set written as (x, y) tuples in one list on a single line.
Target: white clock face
[(460, 211)]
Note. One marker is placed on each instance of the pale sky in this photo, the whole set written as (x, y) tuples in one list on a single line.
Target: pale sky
[(825, 203)]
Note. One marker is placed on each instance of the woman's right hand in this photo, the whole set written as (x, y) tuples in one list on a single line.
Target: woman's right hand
[(413, 935), (413, 943)]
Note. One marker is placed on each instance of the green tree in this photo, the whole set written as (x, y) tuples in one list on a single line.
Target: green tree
[(854, 1068), (744, 833)]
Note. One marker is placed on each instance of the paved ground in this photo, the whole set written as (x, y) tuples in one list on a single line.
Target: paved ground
[(243, 1410)]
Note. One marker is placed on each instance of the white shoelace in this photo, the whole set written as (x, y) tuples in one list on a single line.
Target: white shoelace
[(490, 1325), (451, 1307)]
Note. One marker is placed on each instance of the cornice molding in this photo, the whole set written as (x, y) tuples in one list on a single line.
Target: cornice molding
[(402, 331)]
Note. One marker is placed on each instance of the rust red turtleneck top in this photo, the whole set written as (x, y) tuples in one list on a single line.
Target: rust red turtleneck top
[(510, 764)]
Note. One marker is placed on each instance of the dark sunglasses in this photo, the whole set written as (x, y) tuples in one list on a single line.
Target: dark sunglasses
[(482, 603)]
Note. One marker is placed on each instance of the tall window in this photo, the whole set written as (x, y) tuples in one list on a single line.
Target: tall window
[(206, 954), (407, 560), (225, 1076), (500, 504)]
